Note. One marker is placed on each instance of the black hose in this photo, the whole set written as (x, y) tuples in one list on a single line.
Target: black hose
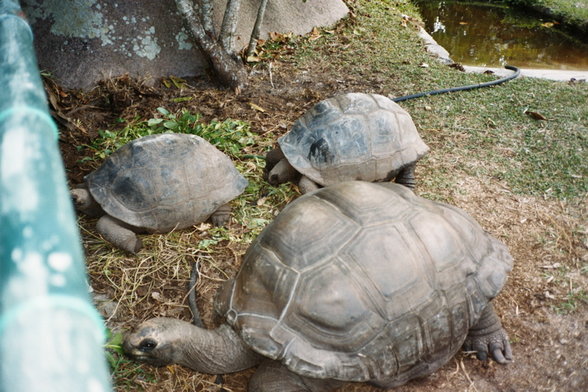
[(516, 73), (196, 319)]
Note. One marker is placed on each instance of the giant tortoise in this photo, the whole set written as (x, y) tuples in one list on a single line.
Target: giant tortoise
[(362, 282), (156, 184), (352, 136)]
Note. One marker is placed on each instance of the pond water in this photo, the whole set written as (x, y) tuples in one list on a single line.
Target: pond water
[(491, 35)]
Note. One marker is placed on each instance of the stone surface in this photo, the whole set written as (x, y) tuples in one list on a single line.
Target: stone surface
[(82, 41)]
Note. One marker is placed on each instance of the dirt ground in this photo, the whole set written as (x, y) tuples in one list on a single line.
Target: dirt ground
[(545, 237)]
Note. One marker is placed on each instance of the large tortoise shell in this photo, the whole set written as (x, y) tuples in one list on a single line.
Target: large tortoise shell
[(364, 282), (165, 181), (353, 136)]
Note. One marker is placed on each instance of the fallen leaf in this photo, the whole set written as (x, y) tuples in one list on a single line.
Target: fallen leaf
[(256, 107), (551, 266), (253, 59), (156, 296), (204, 226), (549, 295), (535, 115), (548, 24), (178, 82), (463, 23), (182, 99), (315, 34), (278, 37)]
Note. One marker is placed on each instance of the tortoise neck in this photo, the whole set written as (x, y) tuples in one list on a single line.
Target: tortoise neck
[(216, 351)]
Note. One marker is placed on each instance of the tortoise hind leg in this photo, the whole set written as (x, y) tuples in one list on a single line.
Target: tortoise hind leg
[(406, 176), (272, 376), (115, 232), (488, 337)]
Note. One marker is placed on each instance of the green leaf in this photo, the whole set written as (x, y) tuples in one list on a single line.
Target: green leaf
[(181, 99), (170, 124), (154, 121)]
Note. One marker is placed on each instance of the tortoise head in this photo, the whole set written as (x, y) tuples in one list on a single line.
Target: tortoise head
[(156, 341), (163, 341), (85, 202)]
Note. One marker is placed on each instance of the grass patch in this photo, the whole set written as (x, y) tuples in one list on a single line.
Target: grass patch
[(573, 301)]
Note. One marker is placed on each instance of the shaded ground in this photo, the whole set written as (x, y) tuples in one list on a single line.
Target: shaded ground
[(546, 237)]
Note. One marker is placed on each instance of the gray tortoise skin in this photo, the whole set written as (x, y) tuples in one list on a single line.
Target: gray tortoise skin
[(357, 282), (353, 136), (159, 183)]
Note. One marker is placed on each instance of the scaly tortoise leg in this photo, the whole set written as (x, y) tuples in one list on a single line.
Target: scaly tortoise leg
[(488, 337), (271, 159), (221, 216), (117, 233), (306, 185), (406, 176)]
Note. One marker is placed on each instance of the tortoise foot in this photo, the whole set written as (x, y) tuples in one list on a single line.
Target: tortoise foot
[(120, 236), (221, 216), (489, 338)]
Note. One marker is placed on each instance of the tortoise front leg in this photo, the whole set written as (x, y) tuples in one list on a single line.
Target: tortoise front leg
[(306, 185), (488, 337), (115, 232), (221, 216), (406, 176), (272, 158), (272, 376)]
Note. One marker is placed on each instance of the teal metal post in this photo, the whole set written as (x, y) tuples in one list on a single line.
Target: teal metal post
[(51, 336)]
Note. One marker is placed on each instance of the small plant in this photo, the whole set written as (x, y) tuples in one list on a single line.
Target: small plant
[(229, 136), (216, 235), (113, 349), (123, 370)]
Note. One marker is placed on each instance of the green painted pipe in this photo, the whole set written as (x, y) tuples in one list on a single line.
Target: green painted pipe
[(51, 337)]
